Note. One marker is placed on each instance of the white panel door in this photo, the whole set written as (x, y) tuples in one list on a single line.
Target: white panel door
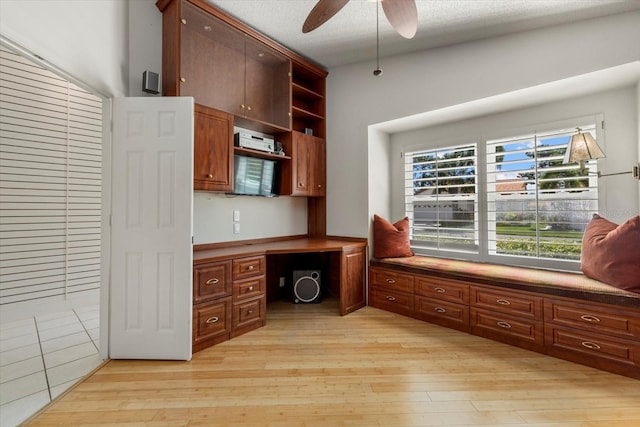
[(151, 249)]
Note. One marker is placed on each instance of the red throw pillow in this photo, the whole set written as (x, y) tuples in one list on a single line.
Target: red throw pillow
[(611, 252), (391, 240)]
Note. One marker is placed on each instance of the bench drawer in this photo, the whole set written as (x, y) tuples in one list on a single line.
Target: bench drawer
[(591, 349), (391, 300), (594, 318), (508, 302), (502, 327), (442, 289), (442, 313), (391, 280)]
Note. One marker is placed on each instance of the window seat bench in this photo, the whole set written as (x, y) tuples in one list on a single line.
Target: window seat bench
[(562, 314)]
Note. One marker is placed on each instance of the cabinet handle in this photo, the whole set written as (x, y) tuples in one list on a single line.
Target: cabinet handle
[(250, 288), (440, 310), (590, 345), (390, 298), (439, 290), (210, 175), (250, 267), (391, 281), (212, 281), (248, 108), (184, 21), (319, 186), (503, 302), (250, 312), (242, 106), (505, 325), (182, 79), (590, 318), (213, 319)]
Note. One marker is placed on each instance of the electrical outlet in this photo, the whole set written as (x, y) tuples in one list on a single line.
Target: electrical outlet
[(236, 215), (236, 228), (282, 282)]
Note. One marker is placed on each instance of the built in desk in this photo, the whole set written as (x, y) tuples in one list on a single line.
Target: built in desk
[(232, 281)]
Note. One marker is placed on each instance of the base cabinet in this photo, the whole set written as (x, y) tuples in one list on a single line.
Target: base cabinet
[(229, 299), (603, 336)]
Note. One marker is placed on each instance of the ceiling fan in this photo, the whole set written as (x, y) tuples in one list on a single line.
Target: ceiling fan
[(402, 15)]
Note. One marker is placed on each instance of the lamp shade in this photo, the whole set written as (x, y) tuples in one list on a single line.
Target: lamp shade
[(582, 147)]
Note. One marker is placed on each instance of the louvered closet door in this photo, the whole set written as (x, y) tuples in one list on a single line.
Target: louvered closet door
[(50, 185)]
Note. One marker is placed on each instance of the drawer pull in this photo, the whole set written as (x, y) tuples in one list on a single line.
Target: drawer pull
[(250, 312), (391, 281), (503, 302), (590, 318), (213, 319), (390, 298), (250, 288), (440, 310), (439, 290), (251, 267), (590, 345), (212, 281), (505, 325)]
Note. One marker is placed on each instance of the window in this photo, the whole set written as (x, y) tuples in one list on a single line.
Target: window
[(536, 205), (531, 208), (440, 197)]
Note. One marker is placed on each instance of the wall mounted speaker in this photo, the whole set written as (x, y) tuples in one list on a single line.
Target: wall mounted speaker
[(151, 82), (306, 286)]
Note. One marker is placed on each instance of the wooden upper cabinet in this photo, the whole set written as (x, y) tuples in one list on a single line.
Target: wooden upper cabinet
[(223, 67), (213, 150), (305, 175)]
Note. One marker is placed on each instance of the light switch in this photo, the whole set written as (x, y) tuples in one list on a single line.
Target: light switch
[(236, 215)]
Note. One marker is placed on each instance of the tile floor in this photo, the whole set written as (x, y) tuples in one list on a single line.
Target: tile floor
[(42, 356)]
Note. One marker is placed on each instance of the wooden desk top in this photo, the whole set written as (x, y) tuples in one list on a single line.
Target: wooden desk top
[(289, 246)]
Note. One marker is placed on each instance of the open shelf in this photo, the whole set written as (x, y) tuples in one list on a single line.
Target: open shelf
[(257, 153)]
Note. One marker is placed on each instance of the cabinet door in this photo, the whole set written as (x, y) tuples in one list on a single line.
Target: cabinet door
[(213, 150), (317, 166), (352, 279), (211, 60), (267, 85), (300, 165)]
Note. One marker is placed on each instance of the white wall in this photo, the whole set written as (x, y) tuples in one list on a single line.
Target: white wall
[(439, 78), (260, 217), (87, 39)]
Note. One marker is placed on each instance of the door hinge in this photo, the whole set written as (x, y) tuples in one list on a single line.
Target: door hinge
[(602, 124)]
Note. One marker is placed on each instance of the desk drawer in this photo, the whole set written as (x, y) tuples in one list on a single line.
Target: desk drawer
[(614, 321), (507, 301), (212, 280), (387, 279), (249, 312), (211, 319), (249, 267), (248, 288), (391, 300), (442, 289)]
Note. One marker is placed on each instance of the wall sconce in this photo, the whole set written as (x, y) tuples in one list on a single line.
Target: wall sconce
[(583, 147)]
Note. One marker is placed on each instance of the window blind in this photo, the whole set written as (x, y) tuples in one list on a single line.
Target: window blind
[(50, 184), (538, 207), (441, 197)]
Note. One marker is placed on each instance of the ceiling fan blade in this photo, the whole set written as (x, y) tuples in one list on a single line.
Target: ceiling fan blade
[(321, 13), (403, 16)]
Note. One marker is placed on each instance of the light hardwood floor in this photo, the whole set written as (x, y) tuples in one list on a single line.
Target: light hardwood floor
[(310, 367)]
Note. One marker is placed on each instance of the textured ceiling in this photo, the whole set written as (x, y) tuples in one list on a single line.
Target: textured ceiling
[(350, 36)]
